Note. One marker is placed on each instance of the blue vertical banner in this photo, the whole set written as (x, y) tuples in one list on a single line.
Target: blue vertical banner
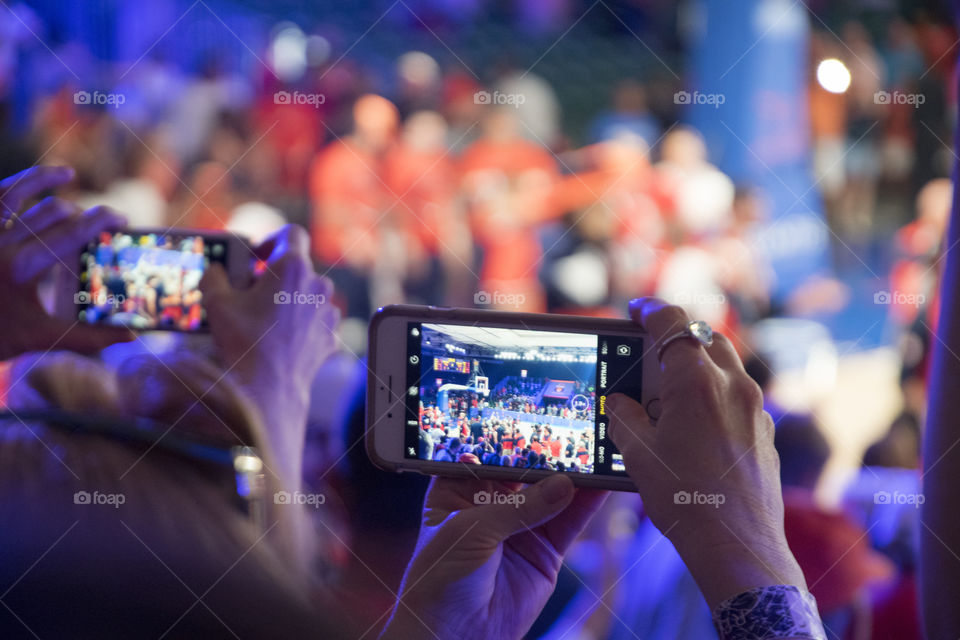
[(750, 56)]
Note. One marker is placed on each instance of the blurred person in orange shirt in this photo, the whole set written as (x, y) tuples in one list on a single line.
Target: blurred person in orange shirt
[(420, 175), (206, 200), (828, 126), (349, 198), (508, 182)]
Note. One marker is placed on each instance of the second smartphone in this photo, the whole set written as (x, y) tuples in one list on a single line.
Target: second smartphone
[(149, 279)]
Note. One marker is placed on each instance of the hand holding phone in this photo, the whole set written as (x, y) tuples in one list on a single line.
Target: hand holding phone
[(272, 337), (33, 244), (471, 546), (707, 470)]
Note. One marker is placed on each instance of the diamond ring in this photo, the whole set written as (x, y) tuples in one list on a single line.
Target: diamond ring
[(697, 330)]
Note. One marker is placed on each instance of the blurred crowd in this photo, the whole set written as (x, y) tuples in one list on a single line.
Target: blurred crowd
[(877, 143), (425, 185), (433, 187)]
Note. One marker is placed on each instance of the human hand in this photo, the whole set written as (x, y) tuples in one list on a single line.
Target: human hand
[(707, 471), (271, 344), (487, 570), (33, 244)]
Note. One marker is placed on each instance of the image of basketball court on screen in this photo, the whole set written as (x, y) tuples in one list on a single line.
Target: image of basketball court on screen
[(507, 397)]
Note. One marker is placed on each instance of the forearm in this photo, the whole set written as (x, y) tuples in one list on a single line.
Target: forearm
[(940, 517), (730, 568), (753, 586), (282, 404)]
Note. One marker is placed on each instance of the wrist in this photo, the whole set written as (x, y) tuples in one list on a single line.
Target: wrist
[(770, 613), (283, 412), (732, 565)]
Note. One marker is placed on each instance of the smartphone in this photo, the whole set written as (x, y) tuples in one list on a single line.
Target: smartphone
[(447, 386), (148, 279)]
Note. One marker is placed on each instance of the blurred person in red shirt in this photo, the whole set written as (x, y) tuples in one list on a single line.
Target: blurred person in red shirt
[(291, 132), (508, 181), (206, 200), (703, 198), (832, 549), (349, 198), (420, 175)]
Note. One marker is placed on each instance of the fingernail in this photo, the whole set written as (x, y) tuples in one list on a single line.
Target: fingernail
[(555, 489)]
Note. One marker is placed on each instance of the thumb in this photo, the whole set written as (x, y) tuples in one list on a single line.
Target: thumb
[(529, 508), (631, 430), (85, 338)]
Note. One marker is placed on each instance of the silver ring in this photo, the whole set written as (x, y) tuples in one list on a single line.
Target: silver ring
[(7, 223), (697, 330)]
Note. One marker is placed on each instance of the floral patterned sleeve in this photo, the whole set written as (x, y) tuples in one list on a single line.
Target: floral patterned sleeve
[(767, 613)]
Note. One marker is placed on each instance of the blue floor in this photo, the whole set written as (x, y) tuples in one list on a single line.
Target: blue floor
[(862, 324)]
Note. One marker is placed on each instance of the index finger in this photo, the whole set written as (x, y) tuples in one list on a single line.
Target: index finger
[(28, 183), (290, 239), (661, 321)]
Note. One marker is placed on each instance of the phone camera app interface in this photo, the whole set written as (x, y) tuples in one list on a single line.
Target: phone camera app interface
[(518, 398)]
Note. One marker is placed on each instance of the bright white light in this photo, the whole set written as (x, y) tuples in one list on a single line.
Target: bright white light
[(833, 75), (318, 50), (418, 68), (289, 53)]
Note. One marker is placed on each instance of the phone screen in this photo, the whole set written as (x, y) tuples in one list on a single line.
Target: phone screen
[(146, 280), (528, 399)]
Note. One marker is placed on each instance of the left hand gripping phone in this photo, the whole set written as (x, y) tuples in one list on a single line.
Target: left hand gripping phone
[(502, 396), (149, 279)]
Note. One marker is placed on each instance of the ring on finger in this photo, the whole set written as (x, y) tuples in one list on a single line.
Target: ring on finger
[(697, 330)]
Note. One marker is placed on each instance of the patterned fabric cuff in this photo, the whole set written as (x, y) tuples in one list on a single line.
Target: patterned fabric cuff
[(765, 613)]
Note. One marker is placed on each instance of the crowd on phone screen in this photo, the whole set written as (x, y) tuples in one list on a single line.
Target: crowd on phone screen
[(153, 283), (454, 437), (427, 195)]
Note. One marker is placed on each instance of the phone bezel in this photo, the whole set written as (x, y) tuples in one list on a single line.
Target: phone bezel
[(386, 378), (238, 266)]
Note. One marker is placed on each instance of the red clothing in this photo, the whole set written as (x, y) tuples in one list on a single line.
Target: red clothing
[(508, 234), (832, 550), (896, 615), (348, 199), (555, 448), (422, 187), (292, 133), (583, 455)]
